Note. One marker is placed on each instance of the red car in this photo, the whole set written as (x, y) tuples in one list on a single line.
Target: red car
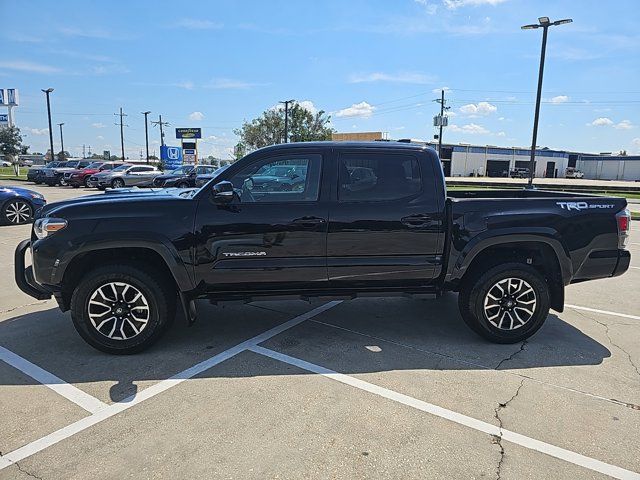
[(77, 178)]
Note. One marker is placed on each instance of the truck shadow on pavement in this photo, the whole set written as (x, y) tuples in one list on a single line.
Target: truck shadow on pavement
[(358, 336)]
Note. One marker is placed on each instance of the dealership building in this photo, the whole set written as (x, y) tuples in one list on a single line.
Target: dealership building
[(465, 160)]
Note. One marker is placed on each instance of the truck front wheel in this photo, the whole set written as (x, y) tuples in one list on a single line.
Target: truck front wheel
[(506, 304), (122, 309)]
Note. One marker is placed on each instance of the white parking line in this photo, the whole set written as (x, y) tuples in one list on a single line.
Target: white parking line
[(604, 312), (48, 379), (479, 425), (76, 427), (637, 268)]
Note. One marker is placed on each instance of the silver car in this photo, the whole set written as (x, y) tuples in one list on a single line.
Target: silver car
[(126, 175)]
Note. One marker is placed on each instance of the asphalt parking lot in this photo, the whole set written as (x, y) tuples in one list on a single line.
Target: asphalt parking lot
[(369, 388)]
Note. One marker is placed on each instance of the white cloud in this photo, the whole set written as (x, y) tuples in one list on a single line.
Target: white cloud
[(196, 116), (636, 143), (472, 128), (560, 99), (430, 7), (308, 105), (400, 77), (481, 108), (230, 84), (453, 4), (38, 131), (100, 137), (362, 109), (26, 66), (197, 24), (501, 134), (98, 125), (600, 122), (439, 90), (624, 125)]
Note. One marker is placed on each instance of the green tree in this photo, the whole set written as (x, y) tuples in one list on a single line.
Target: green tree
[(11, 145), (268, 129)]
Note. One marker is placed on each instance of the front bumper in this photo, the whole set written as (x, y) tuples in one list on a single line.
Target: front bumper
[(24, 275)]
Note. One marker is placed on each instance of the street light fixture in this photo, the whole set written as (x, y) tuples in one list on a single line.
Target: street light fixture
[(146, 133), (544, 23), (61, 142), (47, 92)]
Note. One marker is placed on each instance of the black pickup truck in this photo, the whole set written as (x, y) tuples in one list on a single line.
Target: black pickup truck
[(366, 219)]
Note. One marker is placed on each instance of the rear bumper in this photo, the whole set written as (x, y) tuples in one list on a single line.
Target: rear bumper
[(24, 275), (624, 259)]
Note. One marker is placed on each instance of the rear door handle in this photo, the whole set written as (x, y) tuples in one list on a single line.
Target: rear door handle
[(419, 220), (308, 221)]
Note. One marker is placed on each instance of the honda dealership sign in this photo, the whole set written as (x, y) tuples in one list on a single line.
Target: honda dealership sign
[(8, 97)]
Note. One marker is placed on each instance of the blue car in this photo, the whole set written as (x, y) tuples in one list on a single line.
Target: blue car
[(19, 205)]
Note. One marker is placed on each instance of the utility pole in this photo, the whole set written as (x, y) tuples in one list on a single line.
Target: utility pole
[(83, 151), (121, 115), (286, 119), (544, 23), (160, 123), (441, 119), (146, 133), (47, 92), (61, 141)]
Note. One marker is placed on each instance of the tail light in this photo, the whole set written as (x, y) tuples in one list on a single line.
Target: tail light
[(623, 219)]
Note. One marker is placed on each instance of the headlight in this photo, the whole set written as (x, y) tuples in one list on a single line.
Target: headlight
[(43, 227), (38, 196)]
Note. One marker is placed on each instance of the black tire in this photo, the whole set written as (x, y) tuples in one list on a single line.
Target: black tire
[(14, 211), (85, 182), (159, 296), (183, 185), (117, 183), (101, 188), (37, 182), (471, 302)]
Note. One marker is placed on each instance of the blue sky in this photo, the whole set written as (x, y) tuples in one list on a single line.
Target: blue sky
[(374, 65)]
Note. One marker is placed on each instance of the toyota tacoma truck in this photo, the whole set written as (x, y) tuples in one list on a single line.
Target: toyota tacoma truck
[(368, 219)]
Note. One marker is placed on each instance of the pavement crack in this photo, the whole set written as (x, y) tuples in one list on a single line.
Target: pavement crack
[(22, 470), (497, 439), (22, 306), (512, 356), (606, 331)]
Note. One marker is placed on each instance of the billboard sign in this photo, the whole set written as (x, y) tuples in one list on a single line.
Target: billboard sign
[(8, 97), (171, 156), (188, 133), (106, 154), (4, 120)]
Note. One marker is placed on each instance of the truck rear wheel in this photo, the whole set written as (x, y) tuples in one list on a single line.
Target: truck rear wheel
[(506, 304), (122, 309)]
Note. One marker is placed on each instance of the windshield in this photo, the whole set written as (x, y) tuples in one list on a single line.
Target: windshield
[(94, 165), (70, 165), (121, 168), (184, 170)]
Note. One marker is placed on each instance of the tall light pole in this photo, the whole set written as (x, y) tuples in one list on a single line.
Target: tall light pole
[(47, 92), (544, 23), (286, 119), (61, 141), (146, 133)]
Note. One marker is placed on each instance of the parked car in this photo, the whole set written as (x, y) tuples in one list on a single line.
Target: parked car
[(80, 177), (36, 174), (5, 163), (572, 172), (55, 176), (519, 173), (509, 253), (279, 177), (19, 205), (182, 177), (125, 175), (206, 177)]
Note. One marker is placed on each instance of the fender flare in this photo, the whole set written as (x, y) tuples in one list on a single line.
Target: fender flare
[(160, 245), (488, 239)]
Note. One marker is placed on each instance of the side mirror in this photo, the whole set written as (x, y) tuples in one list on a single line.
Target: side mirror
[(223, 191)]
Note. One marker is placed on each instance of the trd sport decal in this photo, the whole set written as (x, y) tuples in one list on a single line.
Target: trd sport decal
[(582, 205), (244, 254)]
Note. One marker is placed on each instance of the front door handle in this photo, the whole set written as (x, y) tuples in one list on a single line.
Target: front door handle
[(308, 221), (419, 220)]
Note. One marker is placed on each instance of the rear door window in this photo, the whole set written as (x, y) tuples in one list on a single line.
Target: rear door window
[(377, 177)]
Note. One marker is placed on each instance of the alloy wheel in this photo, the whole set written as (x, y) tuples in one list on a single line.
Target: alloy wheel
[(18, 212), (118, 310), (510, 303)]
